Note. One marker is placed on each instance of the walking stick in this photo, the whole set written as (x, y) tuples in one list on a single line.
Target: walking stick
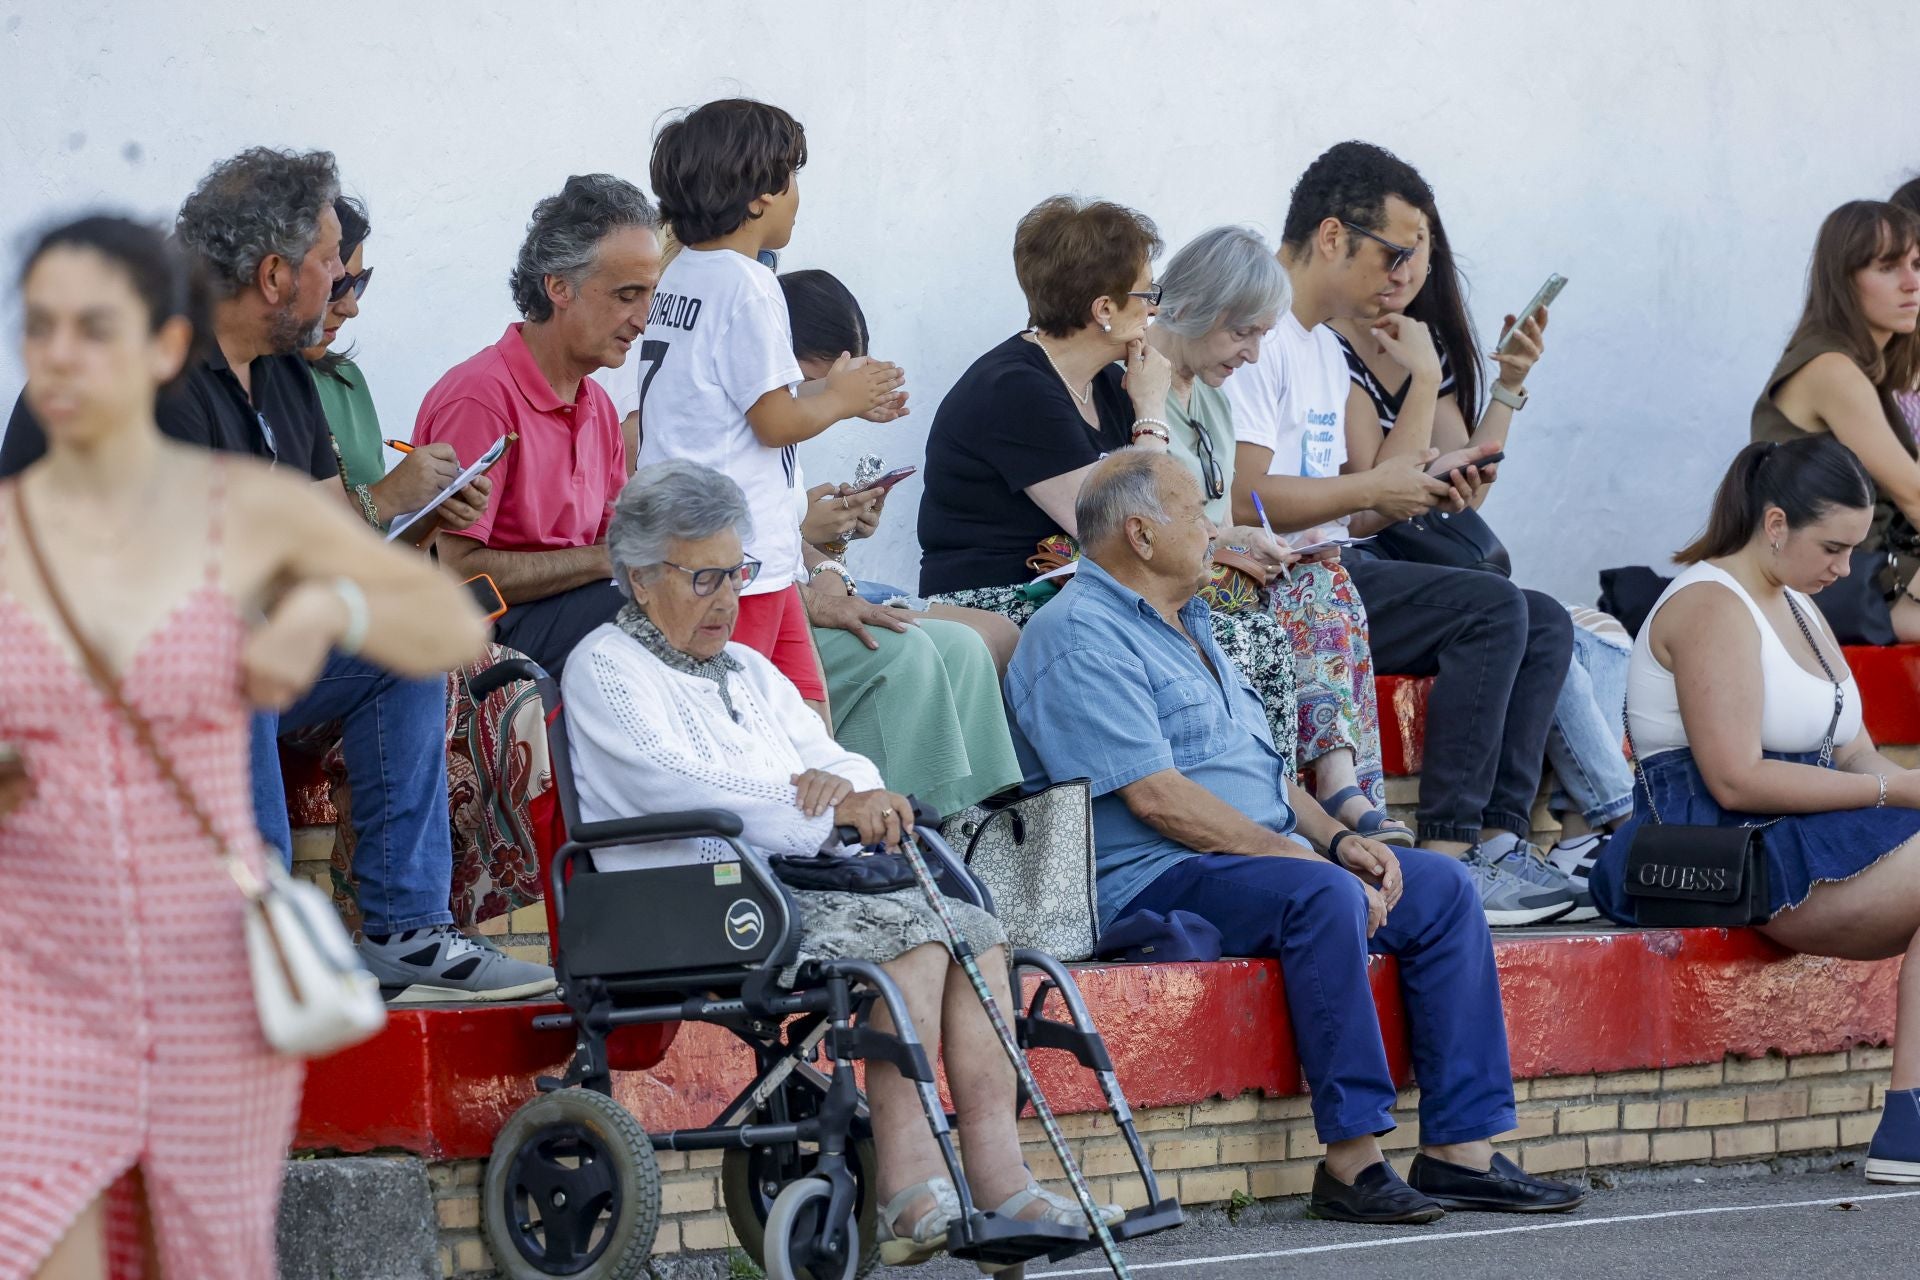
[(963, 952)]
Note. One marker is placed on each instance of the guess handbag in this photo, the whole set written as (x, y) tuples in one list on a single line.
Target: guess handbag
[(1703, 877), (1033, 849), (312, 993)]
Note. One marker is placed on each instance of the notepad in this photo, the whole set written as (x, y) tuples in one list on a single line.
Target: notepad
[(485, 463)]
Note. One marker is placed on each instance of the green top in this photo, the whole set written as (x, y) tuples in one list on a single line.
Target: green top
[(1207, 411), (355, 424)]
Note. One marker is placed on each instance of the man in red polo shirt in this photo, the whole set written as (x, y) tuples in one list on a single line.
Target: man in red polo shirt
[(584, 282)]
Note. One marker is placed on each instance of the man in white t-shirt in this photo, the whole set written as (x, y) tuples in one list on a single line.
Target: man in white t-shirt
[(717, 382), (1499, 653)]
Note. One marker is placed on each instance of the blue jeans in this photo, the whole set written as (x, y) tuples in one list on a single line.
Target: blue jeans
[(1583, 745), (395, 744), (1312, 915)]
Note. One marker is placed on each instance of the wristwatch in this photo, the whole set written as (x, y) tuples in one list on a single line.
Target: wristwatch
[(1514, 400), (837, 569)]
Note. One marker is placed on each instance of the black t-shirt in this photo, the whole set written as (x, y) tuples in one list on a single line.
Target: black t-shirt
[(209, 408), (1009, 423)]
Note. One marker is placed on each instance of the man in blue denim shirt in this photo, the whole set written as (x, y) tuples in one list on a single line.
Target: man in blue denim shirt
[(1119, 680)]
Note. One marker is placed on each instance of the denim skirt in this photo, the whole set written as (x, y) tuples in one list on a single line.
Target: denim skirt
[(1803, 850)]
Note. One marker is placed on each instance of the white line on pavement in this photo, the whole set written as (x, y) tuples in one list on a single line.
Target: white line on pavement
[(1443, 1236)]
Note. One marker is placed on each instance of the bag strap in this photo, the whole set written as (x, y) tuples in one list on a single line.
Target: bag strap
[(1826, 745), (103, 678)]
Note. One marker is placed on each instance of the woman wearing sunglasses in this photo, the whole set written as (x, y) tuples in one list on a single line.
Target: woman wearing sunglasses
[(1219, 296), (497, 765), (355, 424)]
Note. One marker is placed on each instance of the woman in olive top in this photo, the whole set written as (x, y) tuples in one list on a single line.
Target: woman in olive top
[(1854, 348), (496, 750)]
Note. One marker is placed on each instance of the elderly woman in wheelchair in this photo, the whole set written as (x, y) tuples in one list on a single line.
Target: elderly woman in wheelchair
[(662, 712)]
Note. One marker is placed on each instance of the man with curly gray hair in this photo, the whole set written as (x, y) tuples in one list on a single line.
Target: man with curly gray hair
[(584, 280)]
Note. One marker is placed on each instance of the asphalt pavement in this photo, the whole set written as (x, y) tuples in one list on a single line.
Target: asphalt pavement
[(1748, 1223)]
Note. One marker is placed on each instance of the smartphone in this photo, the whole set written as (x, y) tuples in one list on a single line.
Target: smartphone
[(1548, 292), (892, 478), (486, 595), (1498, 455)]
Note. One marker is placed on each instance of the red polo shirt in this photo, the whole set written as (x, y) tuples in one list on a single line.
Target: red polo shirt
[(556, 485)]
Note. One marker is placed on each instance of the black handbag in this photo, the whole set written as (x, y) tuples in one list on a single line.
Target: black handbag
[(837, 873), (1704, 877), (1450, 539)]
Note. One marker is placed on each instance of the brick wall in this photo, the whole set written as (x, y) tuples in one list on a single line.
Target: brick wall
[(1208, 1152)]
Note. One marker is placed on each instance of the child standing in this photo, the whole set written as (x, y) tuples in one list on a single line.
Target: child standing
[(717, 375)]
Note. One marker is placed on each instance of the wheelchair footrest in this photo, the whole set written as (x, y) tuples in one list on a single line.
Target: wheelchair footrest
[(1147, 1220), (992, 1238)]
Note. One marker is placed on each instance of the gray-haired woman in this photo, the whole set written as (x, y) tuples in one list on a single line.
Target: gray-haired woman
[(1220, 294), (663, 712)]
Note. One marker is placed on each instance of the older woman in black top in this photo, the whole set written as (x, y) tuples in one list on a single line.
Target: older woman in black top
[(1018, 432)]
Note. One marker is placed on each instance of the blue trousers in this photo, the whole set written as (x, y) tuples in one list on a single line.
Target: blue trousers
[(1312, 916), (396, 754)]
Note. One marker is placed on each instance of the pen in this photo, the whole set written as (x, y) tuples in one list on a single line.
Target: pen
[(401, 445), (1260, 509)]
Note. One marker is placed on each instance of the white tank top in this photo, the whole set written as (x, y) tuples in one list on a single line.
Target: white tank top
[(1796, 704)]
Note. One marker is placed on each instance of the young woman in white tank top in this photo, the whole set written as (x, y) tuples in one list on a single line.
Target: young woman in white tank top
[(1729, 702)]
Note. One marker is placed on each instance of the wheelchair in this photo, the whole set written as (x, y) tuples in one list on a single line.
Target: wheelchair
[(573, 1185)]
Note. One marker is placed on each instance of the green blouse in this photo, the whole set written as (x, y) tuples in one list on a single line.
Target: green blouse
[(1206, 412), (355, 424)]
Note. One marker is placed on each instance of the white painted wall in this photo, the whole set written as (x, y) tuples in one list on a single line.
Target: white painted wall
[(1672, 157)]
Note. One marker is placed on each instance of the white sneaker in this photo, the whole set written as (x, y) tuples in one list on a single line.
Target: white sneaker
[(1576, 857)]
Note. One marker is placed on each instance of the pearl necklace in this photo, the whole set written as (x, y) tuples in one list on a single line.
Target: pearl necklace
[(1083, 398)]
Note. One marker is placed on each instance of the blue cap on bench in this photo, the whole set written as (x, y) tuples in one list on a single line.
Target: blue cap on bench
[(1148, 935)]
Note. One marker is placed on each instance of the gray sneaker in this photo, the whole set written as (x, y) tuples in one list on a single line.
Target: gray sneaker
[(1510, 901), (1526, 861), (442, 964)]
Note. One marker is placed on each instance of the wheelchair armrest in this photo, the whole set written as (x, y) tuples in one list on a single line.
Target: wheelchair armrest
[(686, 824)]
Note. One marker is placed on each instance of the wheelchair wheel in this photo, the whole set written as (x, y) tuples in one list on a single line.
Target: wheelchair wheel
[(794, 1229), (751, 1181), (572, 1189)]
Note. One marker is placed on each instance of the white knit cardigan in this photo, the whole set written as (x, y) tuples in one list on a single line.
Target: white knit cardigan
[(646, 738)]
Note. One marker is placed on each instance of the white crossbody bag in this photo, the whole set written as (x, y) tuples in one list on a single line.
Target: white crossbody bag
[(313, 994)]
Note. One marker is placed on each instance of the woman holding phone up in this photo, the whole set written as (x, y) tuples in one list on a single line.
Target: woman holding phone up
[(1417, 385), (145, 1106)]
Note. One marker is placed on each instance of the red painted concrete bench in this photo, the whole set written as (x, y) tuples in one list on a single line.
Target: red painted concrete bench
[(440, 1081)]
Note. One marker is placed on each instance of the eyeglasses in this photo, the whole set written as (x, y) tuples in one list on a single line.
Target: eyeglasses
[(707, 581), (1210, 473), (1151, 296), (1398, 255), (354, 283)]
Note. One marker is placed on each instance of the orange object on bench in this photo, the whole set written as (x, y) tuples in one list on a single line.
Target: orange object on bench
[(1403, 722)]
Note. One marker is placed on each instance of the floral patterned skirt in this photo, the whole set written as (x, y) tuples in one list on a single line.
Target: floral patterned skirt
[(1326, 626), (882, 926)]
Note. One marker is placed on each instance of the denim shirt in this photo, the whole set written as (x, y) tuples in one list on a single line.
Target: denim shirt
[(1103, 688)]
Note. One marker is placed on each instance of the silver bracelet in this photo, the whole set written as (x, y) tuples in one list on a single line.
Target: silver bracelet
[(1881, 803)]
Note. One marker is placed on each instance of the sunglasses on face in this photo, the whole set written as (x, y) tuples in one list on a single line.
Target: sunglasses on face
[(707, 581), (352, 282), (1398, 255), (1150, 295)]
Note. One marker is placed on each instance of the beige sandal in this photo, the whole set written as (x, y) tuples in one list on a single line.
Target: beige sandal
[(928, 1234)]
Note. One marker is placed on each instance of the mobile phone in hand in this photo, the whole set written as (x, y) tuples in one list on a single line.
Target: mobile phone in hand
[(486, 595), (1541, 301), (1497, 455)]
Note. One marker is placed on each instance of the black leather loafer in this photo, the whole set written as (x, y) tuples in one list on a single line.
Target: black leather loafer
[(1502, 1189), (1376, 1196)]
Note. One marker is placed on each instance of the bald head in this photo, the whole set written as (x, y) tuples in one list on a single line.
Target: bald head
[(1131, 482)]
